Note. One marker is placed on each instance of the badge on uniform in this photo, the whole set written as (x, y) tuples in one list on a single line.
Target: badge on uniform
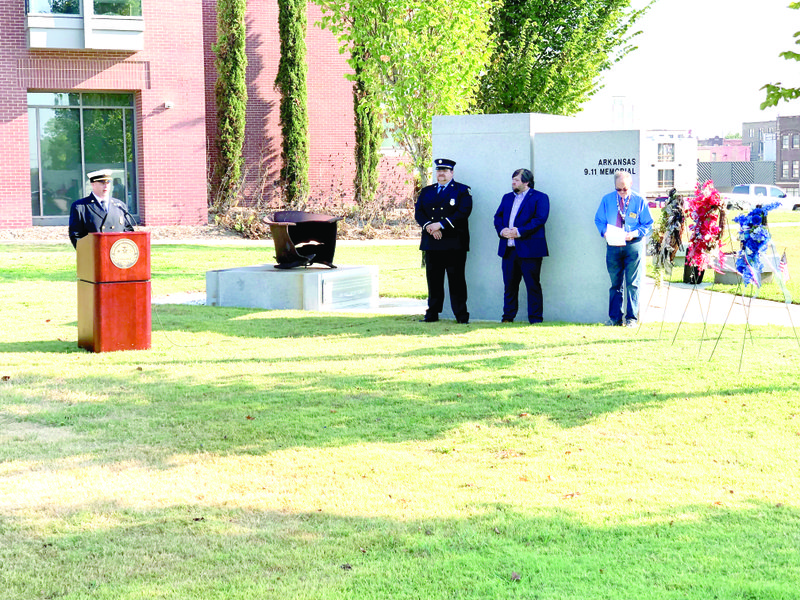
[(633, 215), (452, 201)]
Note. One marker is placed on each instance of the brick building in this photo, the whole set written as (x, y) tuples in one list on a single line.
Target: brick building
[(128, 85), (788, 155), (727, 150)]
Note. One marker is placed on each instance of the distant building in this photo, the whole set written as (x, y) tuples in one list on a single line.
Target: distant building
[(788, 154), (757, 135), (715, 141), (729, 150), (770, 147), (669, 160)]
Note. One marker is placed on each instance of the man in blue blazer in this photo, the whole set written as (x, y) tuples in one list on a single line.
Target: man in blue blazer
[(442, 211), (98, 212), (519, 221)]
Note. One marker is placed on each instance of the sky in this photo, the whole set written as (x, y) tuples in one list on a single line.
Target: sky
[(699, 65)]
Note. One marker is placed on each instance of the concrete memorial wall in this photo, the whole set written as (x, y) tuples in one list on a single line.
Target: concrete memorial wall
[(574, 167)]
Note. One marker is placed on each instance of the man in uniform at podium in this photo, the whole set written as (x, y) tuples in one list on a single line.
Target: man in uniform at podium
[(442, 210), (98, 212)]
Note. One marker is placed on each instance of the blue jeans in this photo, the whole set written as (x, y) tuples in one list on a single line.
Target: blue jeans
[(624, 269)]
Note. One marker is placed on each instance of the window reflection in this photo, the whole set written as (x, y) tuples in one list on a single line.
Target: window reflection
[(60, 143), (67, 142), (54, 7), (120, 8)]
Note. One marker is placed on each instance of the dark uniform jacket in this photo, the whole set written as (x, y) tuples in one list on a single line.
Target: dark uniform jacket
[(451, 208), (530, 220), (86, 216)]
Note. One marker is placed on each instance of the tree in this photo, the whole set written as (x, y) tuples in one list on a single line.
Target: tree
[(231, 96), (548, 55), (775, 91), (291, 83), (368, 134), (425, 57), (366, 107)]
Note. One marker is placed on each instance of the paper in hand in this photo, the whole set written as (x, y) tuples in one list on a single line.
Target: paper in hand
[(615, 236)]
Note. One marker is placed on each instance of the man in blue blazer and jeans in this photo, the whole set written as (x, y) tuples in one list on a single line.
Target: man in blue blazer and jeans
[(519, 222)]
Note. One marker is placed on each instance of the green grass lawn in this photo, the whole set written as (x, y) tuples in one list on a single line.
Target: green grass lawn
[(258, 454)]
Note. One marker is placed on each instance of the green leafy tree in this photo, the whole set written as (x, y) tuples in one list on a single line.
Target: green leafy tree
[(776, 92), (291, 83), (548, 55), (425, 57), (231, 95)]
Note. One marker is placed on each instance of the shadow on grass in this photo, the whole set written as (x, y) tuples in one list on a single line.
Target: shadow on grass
[(141, 409), (203, 551)]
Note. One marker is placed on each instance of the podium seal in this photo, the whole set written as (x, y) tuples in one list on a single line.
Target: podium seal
[(124, 253)]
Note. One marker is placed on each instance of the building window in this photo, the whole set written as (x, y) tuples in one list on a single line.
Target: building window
[(666, 178), (666, 153), (785, 170), (785, 141), (116, 8), (796, 168), (796, 140), (72, 134), (54, 7), (85, 24)]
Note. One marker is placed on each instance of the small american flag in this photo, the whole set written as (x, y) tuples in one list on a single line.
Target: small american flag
[(784, 267)]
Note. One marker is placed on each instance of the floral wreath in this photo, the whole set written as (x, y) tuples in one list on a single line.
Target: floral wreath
[(667, 237), (707, 211), (755, 237)]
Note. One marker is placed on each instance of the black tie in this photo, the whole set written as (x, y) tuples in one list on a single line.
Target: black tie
[(441, 187)]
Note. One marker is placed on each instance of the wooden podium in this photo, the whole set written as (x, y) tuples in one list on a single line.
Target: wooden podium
[(114, 291)]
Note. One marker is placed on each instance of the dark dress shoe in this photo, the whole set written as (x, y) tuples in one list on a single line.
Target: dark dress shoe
[(429, 320)]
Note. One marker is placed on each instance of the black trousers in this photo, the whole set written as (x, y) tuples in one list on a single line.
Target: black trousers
[(452, 263), (516, 269)]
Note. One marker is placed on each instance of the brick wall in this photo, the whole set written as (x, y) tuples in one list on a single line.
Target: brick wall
[(330, 106), (15, 191), (174, 145), (171, 149)]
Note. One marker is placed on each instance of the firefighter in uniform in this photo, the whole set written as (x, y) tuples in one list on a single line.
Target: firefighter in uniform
[(442, 210), (98, 212)]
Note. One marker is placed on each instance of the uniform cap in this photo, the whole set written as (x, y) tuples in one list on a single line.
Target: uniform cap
[(444, 163), (101, 175)]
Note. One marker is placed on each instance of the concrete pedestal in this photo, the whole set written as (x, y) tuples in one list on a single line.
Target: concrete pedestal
[(311, 288), (730, 275)]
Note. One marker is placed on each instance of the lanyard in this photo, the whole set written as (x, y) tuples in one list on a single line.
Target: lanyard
[(622, 208)]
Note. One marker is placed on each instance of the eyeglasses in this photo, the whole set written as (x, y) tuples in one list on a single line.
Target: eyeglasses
[(622, 190)]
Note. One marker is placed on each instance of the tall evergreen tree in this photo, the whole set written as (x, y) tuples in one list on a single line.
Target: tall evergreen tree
[(368, 132), (231, 96), (291, 83)]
